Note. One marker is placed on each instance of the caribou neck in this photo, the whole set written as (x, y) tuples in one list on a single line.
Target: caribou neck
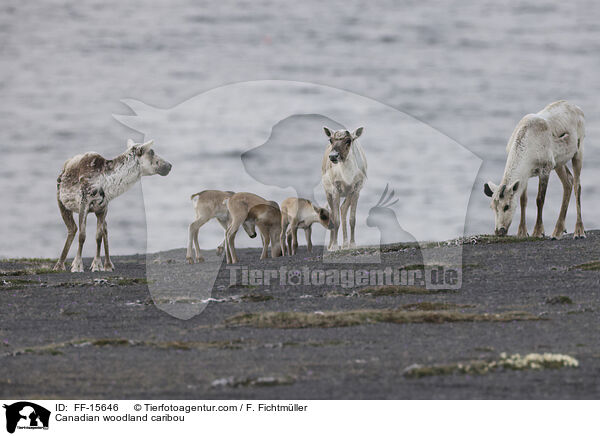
[(122, 173)]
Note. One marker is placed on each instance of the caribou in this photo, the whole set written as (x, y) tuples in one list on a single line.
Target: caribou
[(210, 204), (88, 182), (344, 170), (300, 213), (264, 214), (540, 143)]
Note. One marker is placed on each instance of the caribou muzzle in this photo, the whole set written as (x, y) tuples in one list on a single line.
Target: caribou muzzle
[(164, 169)]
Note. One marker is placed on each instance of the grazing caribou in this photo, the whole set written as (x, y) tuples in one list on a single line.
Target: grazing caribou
[(344, 171), (244, 206), (541, 143), (88, 182), (210, 204), (300, 213)]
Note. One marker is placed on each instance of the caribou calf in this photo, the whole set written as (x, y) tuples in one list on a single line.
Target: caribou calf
[(300, 213), (244, 206), (88, 182), (210, 204), (541, 143)]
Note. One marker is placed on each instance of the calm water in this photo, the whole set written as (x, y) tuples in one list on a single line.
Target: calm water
[(467, 71)]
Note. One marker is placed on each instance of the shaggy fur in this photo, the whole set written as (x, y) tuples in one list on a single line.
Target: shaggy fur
[(88, 182)]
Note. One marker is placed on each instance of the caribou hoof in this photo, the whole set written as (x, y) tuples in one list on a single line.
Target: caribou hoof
[(60, 266), (77, 265), (108, 266), (96, 265), (579, 233)]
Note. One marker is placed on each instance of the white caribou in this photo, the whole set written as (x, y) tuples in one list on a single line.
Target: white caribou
[(541, 143), (344, 171)]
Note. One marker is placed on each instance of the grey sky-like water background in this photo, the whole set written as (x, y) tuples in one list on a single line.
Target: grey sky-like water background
[(467, 70)]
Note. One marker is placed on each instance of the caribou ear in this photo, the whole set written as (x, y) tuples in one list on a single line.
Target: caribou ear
[(147, 145), (489, 188), (327, 131), (130, 143), (515, 186), (357, 132)]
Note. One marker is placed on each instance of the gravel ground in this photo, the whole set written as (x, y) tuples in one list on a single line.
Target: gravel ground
[(99, 335)]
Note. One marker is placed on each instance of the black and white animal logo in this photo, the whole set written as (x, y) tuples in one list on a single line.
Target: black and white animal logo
[(26, 415)]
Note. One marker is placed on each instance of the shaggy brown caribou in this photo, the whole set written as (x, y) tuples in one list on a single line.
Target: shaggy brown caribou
[(88, 182)]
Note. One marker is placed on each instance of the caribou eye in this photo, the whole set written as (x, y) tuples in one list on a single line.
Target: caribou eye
[(506, 208)]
